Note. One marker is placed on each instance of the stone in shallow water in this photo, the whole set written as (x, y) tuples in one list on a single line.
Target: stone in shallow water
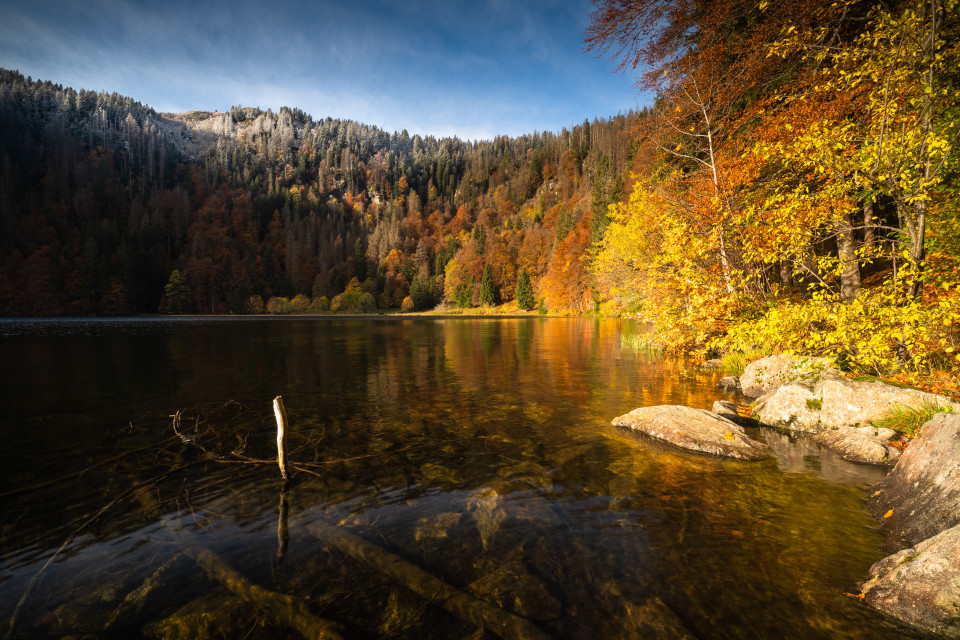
[(512, 587), (729, 383), (861, 444), (649, 619), (440, 473), (920, 585), (694, 429)]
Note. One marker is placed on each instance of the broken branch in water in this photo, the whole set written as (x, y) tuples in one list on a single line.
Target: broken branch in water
[(285, 610), (459, 603)]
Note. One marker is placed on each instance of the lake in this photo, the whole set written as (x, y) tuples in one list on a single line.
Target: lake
[(452, 478)]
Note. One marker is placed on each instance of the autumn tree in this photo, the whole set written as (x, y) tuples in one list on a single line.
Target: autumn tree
[(176, 294)]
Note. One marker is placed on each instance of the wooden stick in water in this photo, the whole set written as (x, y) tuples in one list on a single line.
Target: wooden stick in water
[(281, 413)]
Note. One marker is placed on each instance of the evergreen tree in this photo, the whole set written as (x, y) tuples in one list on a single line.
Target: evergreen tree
[(525, 298), (420, 292), (488, 294), (480, 235)]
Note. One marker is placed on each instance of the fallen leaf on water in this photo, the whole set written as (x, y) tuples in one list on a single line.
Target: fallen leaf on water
[(888, 513)]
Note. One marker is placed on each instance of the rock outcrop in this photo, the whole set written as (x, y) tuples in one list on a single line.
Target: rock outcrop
[(770, 373), (918, 504), (861, 444), (694, 429), (923, 490), (832, 403)]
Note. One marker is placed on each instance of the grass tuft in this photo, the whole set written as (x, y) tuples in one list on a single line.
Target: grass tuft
[(908, 419), (643, 343)]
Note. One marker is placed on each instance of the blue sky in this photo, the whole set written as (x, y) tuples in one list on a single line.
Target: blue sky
[(473, 69)]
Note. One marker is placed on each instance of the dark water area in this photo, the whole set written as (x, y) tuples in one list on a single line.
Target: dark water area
[(140, 497)]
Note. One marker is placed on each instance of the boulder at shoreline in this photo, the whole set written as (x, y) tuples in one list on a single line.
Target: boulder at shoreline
[(920, 585), (694, 429), (770, 373), (861, 444), (923, 490), (918, 505), (832, 403)]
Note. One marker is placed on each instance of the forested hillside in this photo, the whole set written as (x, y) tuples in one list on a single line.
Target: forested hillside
[(111, 208)]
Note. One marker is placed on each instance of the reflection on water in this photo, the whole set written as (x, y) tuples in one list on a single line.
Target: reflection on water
[(455, 478)]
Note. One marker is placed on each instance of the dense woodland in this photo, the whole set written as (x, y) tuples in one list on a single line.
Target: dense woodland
[(111, 208), (793, 186)]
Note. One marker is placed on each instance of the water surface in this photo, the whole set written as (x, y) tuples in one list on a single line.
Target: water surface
[(479, 451)]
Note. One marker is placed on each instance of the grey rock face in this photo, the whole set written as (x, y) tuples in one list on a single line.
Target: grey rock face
[(767, 374), (694, 429)]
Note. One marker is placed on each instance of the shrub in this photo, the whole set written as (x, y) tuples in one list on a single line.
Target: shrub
[(407, 306), (300, 303), (279, 305)]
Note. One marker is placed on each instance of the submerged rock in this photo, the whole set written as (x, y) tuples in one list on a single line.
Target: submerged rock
[(487, 510), (861, 444), (921, 496), (694, 429), (831, 403), (920, 585), (439, 473), (770, 373), (436, 527), (512, 587), (650, 619)]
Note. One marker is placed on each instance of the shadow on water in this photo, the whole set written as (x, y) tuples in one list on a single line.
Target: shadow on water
[(453, 478)]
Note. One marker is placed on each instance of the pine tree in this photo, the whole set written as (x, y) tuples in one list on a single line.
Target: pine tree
[(487, 292), (525, 299)]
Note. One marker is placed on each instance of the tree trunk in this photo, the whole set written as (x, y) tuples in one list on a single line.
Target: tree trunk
[(725, 261), (785, 280), (916, 229), (850, 276), (869, 238)]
